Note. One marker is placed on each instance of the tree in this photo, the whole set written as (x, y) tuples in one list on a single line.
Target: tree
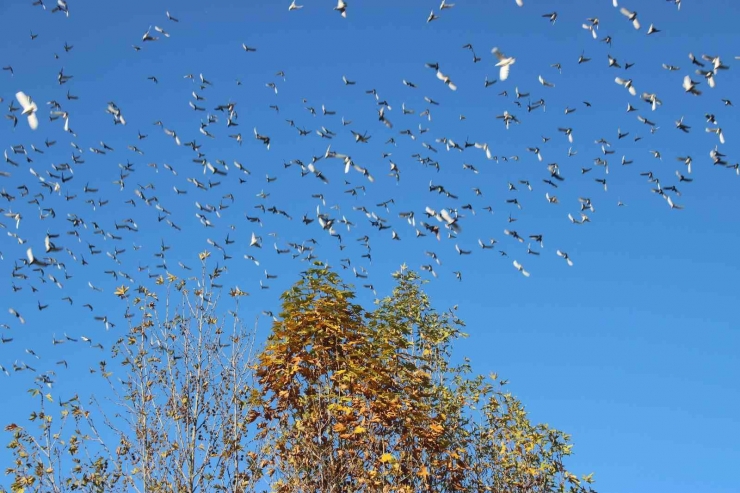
[(338, 399), (368, 401), (179, 417), (189, 395)]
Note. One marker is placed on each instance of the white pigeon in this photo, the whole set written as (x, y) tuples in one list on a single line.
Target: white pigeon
[(341, 8), (504, 62), (33, 260), (294, 6), (520, 268), (29, 109), (631, 16), (446, 79), (718, 131), (627, 84), (520, 3), (690, 86), (545, 83), (566, 257)]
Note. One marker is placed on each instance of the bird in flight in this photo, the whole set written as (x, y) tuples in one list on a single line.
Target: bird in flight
[(29, 109), (504, 63)]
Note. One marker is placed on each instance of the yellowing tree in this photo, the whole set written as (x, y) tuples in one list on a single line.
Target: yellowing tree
[(368, 401)]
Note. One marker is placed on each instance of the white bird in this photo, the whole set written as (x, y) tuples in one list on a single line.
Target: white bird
[(545, 83), (670, 202), (569, 133), (718, 131), (341, 8), (520, 268), (294, 6), (565, 256), (690, 86), (33, 260), (504, 62), (627, 84), (445, 5), (446, 79), (17, 315), (520, 3), (652, 99), (29, 109), (631, 16)]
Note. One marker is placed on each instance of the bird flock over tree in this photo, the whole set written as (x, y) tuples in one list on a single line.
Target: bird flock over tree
[(80, 211)]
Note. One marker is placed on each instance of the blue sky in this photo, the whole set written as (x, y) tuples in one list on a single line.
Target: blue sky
[(632, 350)]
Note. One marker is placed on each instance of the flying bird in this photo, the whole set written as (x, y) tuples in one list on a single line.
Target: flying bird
[(29, 109), (520, 268), (504, 63), (631, 16)]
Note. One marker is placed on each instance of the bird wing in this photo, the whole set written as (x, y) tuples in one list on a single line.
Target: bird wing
[(503, 73), (33, 121)]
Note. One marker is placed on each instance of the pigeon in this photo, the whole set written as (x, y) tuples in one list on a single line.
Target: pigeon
[(520, 268), (565, 257), (504, 62), (29, 109), (627, 83), (631, 16)]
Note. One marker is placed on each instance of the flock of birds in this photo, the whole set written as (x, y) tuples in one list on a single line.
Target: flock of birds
[(85, 238)]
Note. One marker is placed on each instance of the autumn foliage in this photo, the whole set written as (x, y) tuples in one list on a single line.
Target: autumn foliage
[(338, 399)]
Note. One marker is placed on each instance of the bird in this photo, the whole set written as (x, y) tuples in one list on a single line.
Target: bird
[(520, 268), (444, 78), (341, 8), (504, 63), (718, 131), (627, 83), (545, 83), (690, 86), (552, 17), (565, 257), (29, 109), (631, 16)]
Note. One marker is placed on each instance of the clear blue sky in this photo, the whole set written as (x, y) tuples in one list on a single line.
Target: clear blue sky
[(632, 350)]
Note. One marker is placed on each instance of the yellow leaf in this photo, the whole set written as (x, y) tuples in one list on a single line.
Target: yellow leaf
[(121, 291), (359, 429), (387, 458)]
